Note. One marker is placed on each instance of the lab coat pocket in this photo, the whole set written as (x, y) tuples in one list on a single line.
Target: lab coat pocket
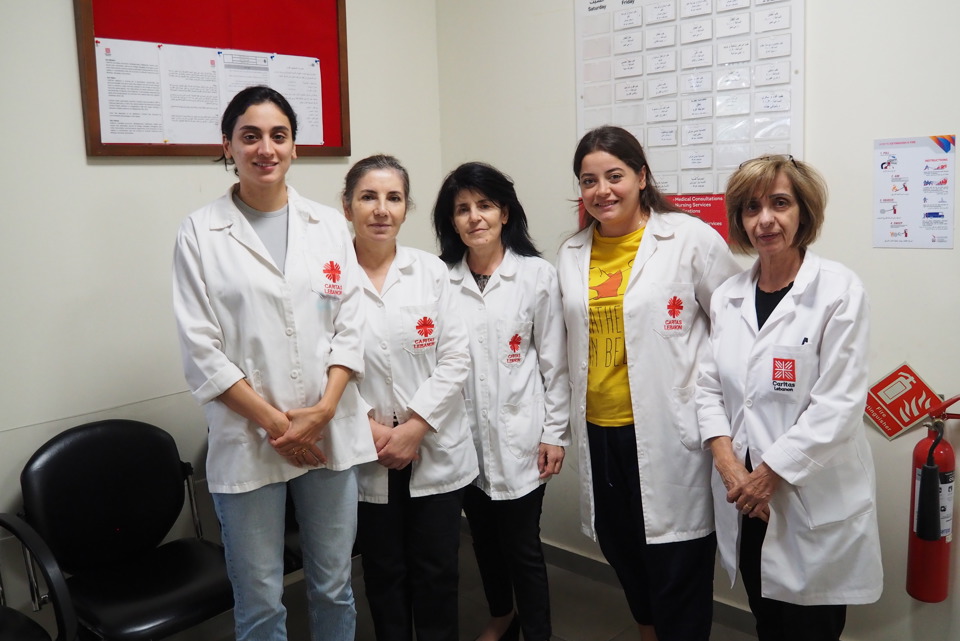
[(836, 493), (792, 370), (685, 416), (326, 274), (522, 426), (514, 342), (419, 329), (674, 307)]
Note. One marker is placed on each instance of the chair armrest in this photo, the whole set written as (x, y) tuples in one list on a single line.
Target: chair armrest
[(38, 554)]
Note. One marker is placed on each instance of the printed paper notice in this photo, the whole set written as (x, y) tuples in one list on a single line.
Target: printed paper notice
[(128, 80), (155, 93), (914, 193)]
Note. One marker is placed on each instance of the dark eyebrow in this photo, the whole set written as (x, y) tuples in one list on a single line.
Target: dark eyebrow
[(279, 128)]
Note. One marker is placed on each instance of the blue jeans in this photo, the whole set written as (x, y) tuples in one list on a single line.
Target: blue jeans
[(252, 530)]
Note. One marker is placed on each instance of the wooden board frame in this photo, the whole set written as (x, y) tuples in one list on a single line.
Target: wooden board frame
[(335, 93)]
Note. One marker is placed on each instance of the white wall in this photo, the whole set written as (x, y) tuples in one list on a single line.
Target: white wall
[(874, 70), (86, 243), (86, 329)]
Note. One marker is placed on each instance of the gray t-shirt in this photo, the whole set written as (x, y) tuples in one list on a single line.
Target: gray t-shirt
[(271, 227)]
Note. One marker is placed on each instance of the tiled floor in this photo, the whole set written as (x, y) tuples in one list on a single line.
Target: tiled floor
[(586, 604)]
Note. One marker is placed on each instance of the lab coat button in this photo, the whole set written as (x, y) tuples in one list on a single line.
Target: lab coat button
[(738, 445), (289, 331), (483, 413), (480, 339), (483, 377), (388, 380), (748, 403), (383, 344), (294, 374)]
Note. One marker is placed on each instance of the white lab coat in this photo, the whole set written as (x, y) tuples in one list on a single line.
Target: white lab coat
[(822, 545), (680, 256), (517, 391), (240, 317), (415, 346)]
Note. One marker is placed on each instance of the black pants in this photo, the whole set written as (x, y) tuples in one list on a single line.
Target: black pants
[(777, 620), (667, 585), (506, 540), (410, 554)]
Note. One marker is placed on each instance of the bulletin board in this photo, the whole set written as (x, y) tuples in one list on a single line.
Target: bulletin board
[(313, 30)]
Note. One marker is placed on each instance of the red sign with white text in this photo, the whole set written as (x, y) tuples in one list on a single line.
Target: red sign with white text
[(710, 208), (899, 401)]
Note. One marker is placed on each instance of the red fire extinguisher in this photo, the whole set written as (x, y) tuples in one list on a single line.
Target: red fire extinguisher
[(931, 511)]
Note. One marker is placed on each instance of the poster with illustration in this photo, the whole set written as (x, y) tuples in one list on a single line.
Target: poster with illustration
[(914, 194)]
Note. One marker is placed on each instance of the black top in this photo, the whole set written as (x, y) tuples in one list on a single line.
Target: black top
[(767, 302)]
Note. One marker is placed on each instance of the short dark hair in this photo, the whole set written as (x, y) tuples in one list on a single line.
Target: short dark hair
[(493, 184), (371, 163), (245, 98), (619, 142), (758, 175)]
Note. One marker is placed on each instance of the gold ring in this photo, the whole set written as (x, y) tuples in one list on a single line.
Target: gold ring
[(299, 451), (747, 508)]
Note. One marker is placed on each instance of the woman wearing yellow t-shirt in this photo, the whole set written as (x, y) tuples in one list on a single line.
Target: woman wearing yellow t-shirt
[(636, 283)]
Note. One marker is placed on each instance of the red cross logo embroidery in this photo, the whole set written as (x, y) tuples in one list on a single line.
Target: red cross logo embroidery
[(784, 369), (425, 326), (674, 307), (332, 271), (515, 343)]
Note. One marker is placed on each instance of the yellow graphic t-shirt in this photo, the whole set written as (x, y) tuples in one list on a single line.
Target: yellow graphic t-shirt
[(608, 390)]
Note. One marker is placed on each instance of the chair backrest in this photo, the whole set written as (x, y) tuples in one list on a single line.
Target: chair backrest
[(103, 492), (57, 592)]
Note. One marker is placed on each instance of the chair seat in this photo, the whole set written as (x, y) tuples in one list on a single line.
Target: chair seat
[(174, 587), (17, 626)]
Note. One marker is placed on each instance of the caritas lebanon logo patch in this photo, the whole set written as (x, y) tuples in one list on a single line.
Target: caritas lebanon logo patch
[(425, 328), (332, 271), (784, 374), (514, 344), (674, 308)]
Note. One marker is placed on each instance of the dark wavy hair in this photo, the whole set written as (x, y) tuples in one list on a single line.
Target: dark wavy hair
[(619, 142), (256, 95), (495, 185)]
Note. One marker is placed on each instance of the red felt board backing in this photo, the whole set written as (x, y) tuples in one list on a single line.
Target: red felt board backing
[(312, 28)]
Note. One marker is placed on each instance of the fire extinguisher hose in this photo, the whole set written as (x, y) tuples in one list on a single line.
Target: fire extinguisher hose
[(928, 497)]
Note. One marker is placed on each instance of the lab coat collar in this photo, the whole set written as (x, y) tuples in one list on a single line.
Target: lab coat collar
[(402, 262), (507, 270), (230, 216), (746, 291), (660, 227), (230, 219)]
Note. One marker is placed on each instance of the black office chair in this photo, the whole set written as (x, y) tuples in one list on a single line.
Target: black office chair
[(103, 496), (17, 626)]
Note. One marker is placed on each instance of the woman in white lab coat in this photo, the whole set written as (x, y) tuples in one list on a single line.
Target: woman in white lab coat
[(780, 401), (517, 389), (415, 348), (267, 299), (636, 283)]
